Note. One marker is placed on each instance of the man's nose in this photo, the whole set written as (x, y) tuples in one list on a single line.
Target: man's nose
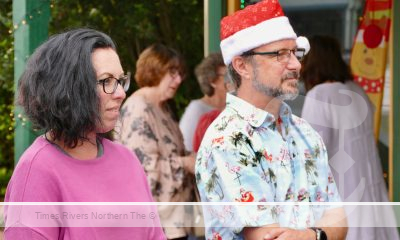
[(294, 63)]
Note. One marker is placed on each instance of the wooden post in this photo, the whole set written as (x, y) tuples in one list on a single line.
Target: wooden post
[(233, 6), (212, 16), (30, 20)]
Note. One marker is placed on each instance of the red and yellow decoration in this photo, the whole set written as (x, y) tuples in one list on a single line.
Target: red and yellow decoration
[(369, 53)]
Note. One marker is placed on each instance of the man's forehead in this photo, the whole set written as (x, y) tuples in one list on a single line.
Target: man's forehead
[(280, 44)]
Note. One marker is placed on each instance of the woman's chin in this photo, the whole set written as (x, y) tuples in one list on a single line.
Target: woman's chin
[(105, 128)]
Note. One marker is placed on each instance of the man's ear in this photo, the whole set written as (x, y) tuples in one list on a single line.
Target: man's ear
[(241, 66)]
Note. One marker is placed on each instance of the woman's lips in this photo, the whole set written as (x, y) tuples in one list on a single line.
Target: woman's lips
[(114, 109)]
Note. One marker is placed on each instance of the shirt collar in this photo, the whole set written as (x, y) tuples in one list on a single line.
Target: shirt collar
[(253, 115), (285, 112)]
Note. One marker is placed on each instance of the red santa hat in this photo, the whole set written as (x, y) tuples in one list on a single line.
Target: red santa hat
[(256, 25)]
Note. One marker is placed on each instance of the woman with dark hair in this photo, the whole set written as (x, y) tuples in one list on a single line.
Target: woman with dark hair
[(341, 112), (149, 130), (72, 90)]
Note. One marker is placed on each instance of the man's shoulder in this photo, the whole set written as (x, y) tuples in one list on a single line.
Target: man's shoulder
[(223, 138), (301, 122), (225, 124), (306, 131)]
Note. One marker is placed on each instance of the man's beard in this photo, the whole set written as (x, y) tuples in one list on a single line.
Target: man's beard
[(277, 92)]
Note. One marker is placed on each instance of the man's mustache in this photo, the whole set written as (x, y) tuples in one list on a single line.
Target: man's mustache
[(291, 75)]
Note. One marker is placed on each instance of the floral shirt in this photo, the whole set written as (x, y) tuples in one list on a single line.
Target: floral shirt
[(155, 137), (247, 156)]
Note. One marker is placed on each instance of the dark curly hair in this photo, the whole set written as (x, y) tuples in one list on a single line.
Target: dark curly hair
[(58, 89)]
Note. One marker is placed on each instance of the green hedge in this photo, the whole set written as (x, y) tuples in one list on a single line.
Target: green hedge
[(6, 95)]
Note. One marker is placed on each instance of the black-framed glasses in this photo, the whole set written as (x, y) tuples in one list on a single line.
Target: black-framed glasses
[(110, 84), (282, 55)]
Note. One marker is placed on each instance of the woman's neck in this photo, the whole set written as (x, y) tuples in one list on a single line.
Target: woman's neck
[(85, 149), (214, 101)]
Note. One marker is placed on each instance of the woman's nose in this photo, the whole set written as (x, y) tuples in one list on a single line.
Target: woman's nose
[(178, 79), (119, 92)]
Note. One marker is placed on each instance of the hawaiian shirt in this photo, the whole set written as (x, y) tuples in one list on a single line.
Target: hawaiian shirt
[(248, 156)]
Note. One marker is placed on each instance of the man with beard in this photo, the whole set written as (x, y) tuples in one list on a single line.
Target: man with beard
[(257, 150)]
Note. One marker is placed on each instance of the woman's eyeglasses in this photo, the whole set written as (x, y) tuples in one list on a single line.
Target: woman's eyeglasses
[(110, 84), (175, 71)]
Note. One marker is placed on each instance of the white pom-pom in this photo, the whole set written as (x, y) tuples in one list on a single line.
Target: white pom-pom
[(302, 42)]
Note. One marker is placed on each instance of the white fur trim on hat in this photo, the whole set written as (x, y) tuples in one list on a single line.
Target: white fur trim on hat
[(271, 30), (302, 42)]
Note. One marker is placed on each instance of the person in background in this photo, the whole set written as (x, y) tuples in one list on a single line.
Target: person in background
[(342, 113), (207, 118), (256, 150), (72, 90), (210, 75), (148, 129)]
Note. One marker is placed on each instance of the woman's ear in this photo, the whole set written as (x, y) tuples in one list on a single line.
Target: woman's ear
[(241, 66)]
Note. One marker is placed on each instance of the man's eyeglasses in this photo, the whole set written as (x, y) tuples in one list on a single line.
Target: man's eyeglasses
[(110, 84), (282, 55)]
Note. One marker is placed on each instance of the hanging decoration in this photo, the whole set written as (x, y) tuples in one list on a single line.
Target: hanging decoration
[(369, 53)]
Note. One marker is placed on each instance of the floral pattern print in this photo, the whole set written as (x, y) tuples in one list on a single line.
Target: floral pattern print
[(155, 137), (247, 156)]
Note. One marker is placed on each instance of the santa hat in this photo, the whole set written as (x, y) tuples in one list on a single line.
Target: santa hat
[(256, 25)]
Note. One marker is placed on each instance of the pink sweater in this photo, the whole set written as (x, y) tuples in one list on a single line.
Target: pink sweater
[(45, 174)]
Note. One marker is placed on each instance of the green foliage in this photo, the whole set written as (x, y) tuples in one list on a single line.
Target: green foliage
[(136, 24), (7, 95)]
